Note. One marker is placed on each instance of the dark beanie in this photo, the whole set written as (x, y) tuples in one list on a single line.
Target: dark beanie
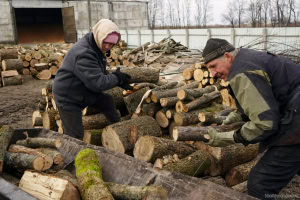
[(215, 48)]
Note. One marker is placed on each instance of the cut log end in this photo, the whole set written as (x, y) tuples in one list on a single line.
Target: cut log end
[(111, 140), (144, 152), (39, 164)]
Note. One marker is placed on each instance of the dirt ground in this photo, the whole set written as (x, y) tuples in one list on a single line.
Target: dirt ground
[(17, 104)]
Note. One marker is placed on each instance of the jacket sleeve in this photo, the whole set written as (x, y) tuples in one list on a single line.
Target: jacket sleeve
[(88, 70), (254, 94)]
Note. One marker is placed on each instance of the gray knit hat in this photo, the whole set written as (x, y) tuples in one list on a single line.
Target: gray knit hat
[(215, 48)]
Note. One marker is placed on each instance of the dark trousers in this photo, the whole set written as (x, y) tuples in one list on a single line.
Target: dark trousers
[(274, 171), (72, 120)]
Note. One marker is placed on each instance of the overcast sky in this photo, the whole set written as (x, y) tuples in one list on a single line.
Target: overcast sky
[(219, 6)]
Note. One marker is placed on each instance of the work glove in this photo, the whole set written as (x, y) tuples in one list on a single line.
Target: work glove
[(232, 118), (220, 139), (123, 79)]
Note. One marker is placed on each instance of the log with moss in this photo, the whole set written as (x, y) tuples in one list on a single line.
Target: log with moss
[(93, 137), (192, 165), (6, 133), (89, 176), (40, 142)]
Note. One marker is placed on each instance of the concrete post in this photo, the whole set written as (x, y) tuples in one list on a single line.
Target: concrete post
[(265, 38), (168, 33), (233, 37), (126, 36), (208, 34), (152, 35), (139, 37), (187, 37)]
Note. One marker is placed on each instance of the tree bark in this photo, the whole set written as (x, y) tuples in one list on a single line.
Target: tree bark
[(190, 94), (49, 121), (225, 158), (6, 133), (48, 187), (239, 173), (93, 137), (132, 101), (142, 74), (120, 136), (54, 154), (24, 161), (9, 54), (89, 176), (96, 121), (210, 118), (149, 148), (192, 165), (12, 64), (187, 118), (13, 80), (168, 101), (40, 142), (128, 192), (150, 109), (157, 95), (201, 101), (41, 66), (21, 149)]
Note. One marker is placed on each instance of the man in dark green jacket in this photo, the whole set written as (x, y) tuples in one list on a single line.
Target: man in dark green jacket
[(83, 77), (266, 88)]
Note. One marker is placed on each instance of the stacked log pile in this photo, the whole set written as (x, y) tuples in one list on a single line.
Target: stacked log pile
[(43, 60), (10, 67)]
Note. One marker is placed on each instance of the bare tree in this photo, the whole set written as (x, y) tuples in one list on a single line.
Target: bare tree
[(229, 16), (187, 10), (265, 11), (203, 10)]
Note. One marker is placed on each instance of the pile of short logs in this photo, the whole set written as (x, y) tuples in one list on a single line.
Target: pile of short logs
[(157, 55), (10, 67), (40, 167), (43, 60)]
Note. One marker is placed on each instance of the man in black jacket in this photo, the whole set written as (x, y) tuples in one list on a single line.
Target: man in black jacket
[(266, 89), (82, 78)]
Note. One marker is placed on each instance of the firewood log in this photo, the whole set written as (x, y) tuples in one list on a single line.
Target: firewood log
[(37, 118), (41, 66), (44, 74), (24, 161), (157, 95), (225, 158), (242, 187), (191, 94), (43, 186), (161, 118), (54, 154), (89, 176), (28, 57), (187, 118), (168, 101), (12, 64), (96, 121), (49, 121), (170, 113), (40, 142), (210, 118), (143, 85), (188, 73), (21, 149), (132, 101), (53, 69), (217, 180), (192, 165), (9, 54), (239, 173), (150, 109), (6, 133), (142, 74), (25, 71), (33, 62), (198, 75), (120, 191), (121, 136), (200, 133), (12, 80), (93, 137), (200, 102), (149, 148)]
